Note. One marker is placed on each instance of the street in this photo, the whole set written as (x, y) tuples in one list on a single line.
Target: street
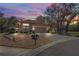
[(69, 48)]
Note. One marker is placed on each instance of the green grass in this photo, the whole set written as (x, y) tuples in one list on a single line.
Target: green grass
[(76, 34)]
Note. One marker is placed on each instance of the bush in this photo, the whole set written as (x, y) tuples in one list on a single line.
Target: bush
[(72, 27), (11, 30)]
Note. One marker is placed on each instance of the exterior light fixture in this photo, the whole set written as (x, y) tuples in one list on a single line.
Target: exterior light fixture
[(75, 22), (25, 24)]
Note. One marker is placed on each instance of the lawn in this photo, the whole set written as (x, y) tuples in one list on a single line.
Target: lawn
[(76, 34)]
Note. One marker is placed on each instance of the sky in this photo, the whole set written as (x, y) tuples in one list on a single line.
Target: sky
[(24, 10)]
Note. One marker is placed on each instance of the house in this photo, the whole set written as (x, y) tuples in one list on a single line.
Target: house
[(35, 25)]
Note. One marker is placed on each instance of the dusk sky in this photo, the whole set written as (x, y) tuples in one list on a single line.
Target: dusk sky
[(25, 10)]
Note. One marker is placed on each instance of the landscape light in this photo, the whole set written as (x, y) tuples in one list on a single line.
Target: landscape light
[(48, 34), (33, 28), (15, 34)]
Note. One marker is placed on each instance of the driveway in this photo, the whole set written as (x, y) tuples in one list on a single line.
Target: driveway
[(59, 45)]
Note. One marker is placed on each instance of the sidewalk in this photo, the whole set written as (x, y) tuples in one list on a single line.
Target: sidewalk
[(11, 51)]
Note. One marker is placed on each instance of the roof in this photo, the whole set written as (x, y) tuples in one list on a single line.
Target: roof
[(34, 22)]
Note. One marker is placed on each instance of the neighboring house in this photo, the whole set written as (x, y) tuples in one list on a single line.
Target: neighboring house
[(75, 20)]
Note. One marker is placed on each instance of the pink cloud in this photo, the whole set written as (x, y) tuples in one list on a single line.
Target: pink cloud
[(26, 13), (17, 11)]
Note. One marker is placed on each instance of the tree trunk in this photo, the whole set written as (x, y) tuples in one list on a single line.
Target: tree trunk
[(60, 27), (66, 28), (1, 28)]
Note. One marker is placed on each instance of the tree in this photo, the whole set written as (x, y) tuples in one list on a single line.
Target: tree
[(1, 14), (2, 22), (70, 11), (12, 24), (78, 26), (54, 12), (59, 13), (40, 19), (49, 23)]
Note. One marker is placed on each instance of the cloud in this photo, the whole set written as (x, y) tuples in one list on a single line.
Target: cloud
[(26, 10)]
